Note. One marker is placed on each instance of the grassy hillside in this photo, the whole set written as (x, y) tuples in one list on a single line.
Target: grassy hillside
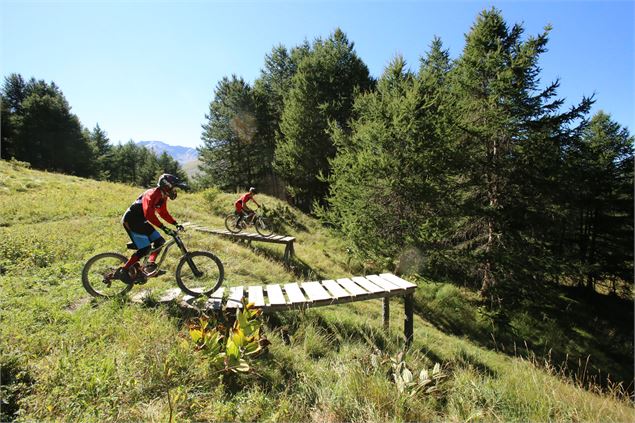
[(66, 357)]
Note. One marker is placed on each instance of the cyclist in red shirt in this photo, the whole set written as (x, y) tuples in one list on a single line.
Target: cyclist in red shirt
[(242, 210), (136, 221)]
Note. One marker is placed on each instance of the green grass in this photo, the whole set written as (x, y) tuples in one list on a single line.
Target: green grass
[(66, 357)]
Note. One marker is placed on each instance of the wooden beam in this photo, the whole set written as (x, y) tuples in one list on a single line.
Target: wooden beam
[(408, 324), (385, 315)]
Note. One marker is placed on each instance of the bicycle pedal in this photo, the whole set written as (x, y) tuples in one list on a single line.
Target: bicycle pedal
[(158, 273)]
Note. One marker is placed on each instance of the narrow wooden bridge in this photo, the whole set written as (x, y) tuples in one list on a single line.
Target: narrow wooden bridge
[(303, 295), (249, 237)]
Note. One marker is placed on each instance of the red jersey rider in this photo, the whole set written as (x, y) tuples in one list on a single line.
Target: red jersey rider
[(242, 210), (136, 221)]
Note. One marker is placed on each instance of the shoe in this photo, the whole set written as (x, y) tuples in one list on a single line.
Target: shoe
[(150, 268), (123, 275), (137, 276), (140, 279)]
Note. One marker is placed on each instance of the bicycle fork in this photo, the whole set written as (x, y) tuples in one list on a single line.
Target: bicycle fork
[(197, 273)]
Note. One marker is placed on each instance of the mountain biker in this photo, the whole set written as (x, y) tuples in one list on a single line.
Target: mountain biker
[(136, 221), (242, 210)]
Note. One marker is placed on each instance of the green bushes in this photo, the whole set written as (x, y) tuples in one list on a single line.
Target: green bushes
[(229, 348), (215, 201), (21, 251)]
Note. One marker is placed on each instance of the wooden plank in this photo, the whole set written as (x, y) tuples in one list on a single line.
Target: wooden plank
[(367, 285), (278, 239), (215, 301), (295, 294), (256, 296), (398, 281), (352, 287), (197, 289), (169, 295), (315, 291), (384, 283), (141, 296), (235, 295), (336, 289), (275, 295)]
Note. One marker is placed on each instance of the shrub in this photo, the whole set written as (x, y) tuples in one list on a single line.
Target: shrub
[(230, 348), (281, 215), (210, 195)]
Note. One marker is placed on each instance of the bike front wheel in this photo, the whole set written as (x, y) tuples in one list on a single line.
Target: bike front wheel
[(199, 273), (98, 275), (263, 226), (231, 223)]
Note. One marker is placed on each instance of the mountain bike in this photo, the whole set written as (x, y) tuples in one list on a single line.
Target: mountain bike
[(261, 223), (197, 272)]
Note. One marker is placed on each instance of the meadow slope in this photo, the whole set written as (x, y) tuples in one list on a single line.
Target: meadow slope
[(65, 357)]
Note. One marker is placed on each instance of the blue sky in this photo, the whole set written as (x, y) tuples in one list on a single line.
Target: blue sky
[(146, 70)]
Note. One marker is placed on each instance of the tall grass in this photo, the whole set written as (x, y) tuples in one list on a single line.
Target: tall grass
[(69, 358)]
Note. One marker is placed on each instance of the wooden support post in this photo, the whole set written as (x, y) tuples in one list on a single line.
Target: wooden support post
[(386, 312), (408, 323), (286, 254)]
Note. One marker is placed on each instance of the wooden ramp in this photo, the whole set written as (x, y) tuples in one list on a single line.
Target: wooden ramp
[(247, 236), (303, 295)]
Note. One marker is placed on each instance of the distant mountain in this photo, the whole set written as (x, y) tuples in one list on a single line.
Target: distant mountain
[(180, 154)]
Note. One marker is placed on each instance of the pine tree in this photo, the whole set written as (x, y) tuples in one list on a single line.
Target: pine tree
[(322, 94), (231, 154), (41, 128), (387, 189), (511, 137), (598, 238), (12, 94), (270, 90), (102, 149)]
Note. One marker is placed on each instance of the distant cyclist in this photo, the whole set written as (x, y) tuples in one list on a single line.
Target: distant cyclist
[(242, 210), (137, 219)]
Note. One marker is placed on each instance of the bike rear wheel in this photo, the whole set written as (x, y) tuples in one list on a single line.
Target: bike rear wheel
[(231, 223), (263, 226), (97, 275), (199, 273)]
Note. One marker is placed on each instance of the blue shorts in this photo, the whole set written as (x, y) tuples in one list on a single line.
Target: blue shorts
[(140, 231), (141, 240)]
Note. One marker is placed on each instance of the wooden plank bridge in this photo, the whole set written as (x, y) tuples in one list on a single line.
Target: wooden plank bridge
[(303, 295), (249, 237)]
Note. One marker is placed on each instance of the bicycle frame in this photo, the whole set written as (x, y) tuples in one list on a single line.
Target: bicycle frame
[(166, 247), (250, 218)]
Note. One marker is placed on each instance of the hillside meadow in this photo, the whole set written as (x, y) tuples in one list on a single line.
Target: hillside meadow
[(67, 357)]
